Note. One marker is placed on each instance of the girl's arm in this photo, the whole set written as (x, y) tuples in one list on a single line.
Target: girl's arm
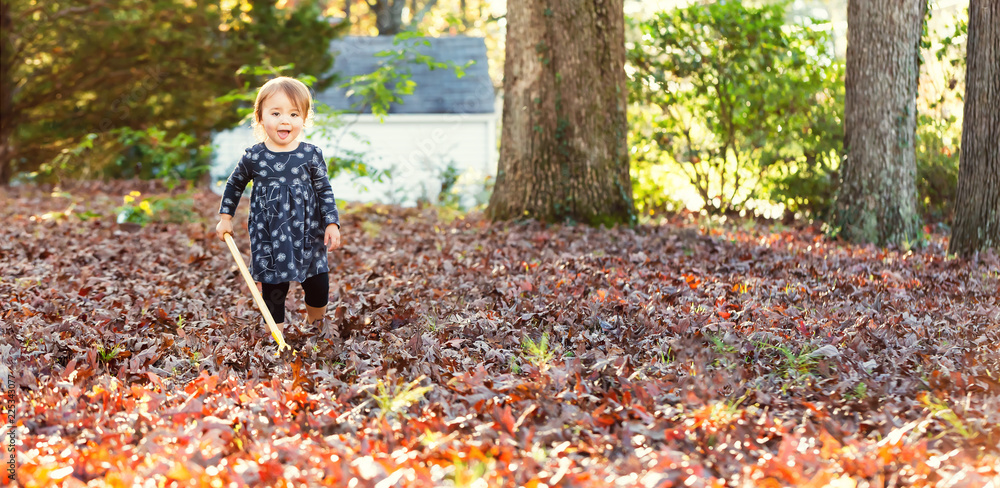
[(237, 182), (324, 192)]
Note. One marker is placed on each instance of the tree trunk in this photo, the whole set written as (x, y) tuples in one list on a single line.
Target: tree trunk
[(877, 201), (977, 202), (6, 96), (563, 150), (388, 16)]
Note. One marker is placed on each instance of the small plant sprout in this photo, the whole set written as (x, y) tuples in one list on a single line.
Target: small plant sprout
[(431, 321), (394, 398), (860, 392), (514, 364), (106, 354), (940, 409), (538, 353), (720, 346)]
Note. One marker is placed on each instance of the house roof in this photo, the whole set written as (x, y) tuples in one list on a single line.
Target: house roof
[(437, 91)]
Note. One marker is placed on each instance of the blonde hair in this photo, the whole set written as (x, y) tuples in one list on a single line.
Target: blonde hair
[(295, 90)]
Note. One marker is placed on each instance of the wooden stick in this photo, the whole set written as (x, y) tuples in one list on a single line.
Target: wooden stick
[(256, 294)]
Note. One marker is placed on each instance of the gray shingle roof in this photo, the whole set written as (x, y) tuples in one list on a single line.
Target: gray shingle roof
[(437, 91)]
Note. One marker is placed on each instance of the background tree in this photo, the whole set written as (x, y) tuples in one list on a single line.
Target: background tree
[(977, 212), (386, 17), (877, 201), (432, 18), (563, 149), (389, 14), (390, 17), (80, 71)]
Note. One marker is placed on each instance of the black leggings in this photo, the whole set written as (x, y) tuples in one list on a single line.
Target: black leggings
[(317, 290)]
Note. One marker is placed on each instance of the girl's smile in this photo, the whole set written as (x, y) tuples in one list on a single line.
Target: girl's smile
[(282, 122)]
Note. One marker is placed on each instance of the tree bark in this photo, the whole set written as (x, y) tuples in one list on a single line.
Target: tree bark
[(563, 150), (977, 202), (877, 201), (6, 96)]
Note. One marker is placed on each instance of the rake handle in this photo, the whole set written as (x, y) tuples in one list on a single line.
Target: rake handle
[(259, 300)]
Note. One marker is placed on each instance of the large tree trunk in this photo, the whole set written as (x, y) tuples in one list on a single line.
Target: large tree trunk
[(563, 150), (977, 203), (877, 201), (6, 96)]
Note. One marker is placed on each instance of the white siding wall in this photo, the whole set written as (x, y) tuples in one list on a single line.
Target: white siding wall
[(416, 149)]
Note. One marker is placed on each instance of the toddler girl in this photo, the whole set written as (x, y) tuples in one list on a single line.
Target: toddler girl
[(293, 215)]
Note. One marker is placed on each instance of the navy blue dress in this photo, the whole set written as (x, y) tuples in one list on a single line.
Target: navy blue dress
[(291, 204)]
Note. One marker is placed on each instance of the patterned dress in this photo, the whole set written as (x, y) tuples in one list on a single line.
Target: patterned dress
[(291, 204)]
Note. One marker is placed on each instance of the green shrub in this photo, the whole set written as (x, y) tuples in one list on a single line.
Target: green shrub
[(937, 166), (151, 153), (745, 106)]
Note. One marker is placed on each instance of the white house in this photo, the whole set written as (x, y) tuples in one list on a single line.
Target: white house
[(447, 121)]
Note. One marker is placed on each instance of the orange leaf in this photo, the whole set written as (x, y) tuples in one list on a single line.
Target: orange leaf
[(505, 418)]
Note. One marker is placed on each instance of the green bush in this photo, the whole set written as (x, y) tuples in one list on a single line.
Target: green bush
[(654, 186), (937, 166), (939, 133), (150, 153), (744, 105)]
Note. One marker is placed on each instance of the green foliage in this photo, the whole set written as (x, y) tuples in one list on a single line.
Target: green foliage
[(652, 178), (937, 146), (952, 46), (740, 102), (152, 153), (939, 132), (87, 67)]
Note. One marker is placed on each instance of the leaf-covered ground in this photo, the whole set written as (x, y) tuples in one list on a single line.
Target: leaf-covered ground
[(487, 354)]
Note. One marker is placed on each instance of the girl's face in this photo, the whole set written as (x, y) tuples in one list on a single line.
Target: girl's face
[(282, 122)]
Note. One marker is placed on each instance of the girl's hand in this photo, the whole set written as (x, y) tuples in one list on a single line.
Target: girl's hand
[(225, 226), (332, 237)]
